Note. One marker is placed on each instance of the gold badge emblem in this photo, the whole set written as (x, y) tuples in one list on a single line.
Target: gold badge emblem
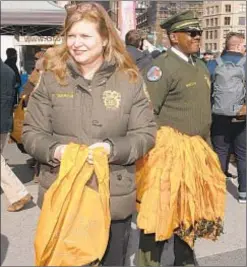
[(111, 99), (207, 80)]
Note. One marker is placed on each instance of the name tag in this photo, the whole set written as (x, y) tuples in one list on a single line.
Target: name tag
[(64, 95), (190, 84)]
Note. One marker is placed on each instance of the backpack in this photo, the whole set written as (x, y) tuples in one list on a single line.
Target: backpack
[(228, 87)]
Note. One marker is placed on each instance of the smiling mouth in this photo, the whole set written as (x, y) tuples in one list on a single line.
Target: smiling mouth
[(79, 52)]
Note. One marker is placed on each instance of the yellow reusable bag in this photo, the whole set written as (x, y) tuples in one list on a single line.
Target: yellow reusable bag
[(73, 228)]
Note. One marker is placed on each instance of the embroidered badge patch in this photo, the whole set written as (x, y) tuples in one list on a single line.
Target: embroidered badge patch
[(154, 74), (111, 99)]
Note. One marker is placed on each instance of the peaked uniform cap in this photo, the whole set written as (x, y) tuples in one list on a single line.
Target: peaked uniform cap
[(183, 21)]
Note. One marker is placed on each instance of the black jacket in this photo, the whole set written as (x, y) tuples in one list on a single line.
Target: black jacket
[(143, 59), (7, 97), (11, 62)]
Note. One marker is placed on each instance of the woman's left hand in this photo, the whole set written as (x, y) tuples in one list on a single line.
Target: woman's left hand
[(106, 146)]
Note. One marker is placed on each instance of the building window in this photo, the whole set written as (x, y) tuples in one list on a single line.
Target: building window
[(210, 46), (207, 10), (242, 7), (215, 34), (212, 22), (217, 9), (211, 34), (242, 31), (215, 46), (206, 35), (206, 46), (225, 33), (227, 21), (241, 21), (228, 8), (216, 22), (207, 22)]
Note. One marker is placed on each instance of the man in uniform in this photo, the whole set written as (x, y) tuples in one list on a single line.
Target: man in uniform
[(179, 87)]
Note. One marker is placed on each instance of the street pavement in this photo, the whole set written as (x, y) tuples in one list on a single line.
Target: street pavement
[(18, 228)]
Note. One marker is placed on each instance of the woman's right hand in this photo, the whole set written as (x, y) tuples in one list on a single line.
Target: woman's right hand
[(59, 152)]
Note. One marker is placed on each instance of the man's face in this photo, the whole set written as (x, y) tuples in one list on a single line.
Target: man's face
[(242, 46), (208, 57), (187, 42)]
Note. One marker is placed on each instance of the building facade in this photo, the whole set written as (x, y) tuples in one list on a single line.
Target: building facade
[(156, 11), (220, 18), (142, 16)]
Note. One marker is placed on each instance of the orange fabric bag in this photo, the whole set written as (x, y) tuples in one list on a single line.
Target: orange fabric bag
[(19, 115), (73, 228), (180, 189)]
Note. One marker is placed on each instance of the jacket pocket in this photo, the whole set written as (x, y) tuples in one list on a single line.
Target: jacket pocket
[(122, 180)]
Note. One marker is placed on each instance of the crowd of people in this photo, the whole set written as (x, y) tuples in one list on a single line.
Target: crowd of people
[(94, 90)]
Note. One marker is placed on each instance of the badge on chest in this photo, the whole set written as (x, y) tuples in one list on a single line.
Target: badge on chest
[(111, 99)]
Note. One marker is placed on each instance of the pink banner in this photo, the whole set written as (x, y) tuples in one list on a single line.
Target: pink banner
[(127, 17)]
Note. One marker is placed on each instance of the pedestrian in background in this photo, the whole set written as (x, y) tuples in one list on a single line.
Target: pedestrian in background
[(14, 190), (34, 77), (134, 41), (91, 93), (179, 88), (11, 62), (207, 56), (229, 107)]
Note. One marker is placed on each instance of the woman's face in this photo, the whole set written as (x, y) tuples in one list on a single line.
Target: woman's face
[(85, 43)]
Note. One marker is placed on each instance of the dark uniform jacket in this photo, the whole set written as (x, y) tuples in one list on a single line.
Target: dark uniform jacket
[(7, 97), (143, 59), (181, 97), (108, 108)]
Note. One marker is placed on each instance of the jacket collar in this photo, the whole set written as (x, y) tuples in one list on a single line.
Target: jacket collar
[(181, 55), (100, 77), (231, 53)]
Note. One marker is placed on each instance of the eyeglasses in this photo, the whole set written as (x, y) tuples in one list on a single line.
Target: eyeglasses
[(193, 34)]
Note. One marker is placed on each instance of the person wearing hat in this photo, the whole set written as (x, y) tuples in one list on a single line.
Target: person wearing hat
[(179, 87), (208, 55)]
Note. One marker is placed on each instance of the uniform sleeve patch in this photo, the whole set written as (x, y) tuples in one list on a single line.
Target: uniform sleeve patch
[(154, 74)]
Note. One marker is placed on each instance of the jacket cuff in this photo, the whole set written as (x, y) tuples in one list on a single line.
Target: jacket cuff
[(120, 150), (53, 161)]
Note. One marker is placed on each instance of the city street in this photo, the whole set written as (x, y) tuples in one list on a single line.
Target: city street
[(17, 229)]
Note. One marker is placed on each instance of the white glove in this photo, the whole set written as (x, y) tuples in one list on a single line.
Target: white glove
[(105, 145), (59, 152)]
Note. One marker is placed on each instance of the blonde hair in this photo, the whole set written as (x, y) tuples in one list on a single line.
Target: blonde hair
[(57, 57)]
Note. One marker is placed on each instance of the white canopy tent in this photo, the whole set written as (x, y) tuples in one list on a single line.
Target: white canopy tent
[(31, 13), (28, 19)]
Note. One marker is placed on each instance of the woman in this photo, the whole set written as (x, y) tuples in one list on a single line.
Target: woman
[(91, 93)]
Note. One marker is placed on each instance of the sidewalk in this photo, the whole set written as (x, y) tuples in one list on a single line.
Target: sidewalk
[(18, 229)]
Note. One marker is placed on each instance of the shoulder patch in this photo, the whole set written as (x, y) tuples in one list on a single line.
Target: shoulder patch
[(154, 74)]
